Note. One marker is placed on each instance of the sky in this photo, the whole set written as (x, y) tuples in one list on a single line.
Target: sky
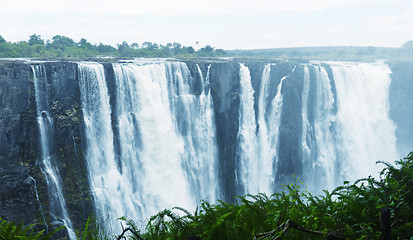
[(226, 24)]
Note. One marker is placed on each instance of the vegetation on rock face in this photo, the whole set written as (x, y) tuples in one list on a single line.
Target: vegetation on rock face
[(61, 46), (352, 211)]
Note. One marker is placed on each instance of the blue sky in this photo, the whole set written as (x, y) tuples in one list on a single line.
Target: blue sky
[(226, 24)]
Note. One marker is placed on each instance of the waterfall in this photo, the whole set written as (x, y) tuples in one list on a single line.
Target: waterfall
[(249, 165), (151, 150), (166, 152), (266, 152), (351, 129), (307, 130), (193, 117), (205, 156), (155, 147), (58, 211), (258, 146), (151, 128), (104, 176), (273, 121), (366, 132), (320, 169), (40, 204)]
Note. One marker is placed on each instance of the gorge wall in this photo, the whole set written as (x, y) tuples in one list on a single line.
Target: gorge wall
[(133, 138)]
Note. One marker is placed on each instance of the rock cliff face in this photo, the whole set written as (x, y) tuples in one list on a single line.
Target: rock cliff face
[(17, 142), (225, 92), (23, 188), (20, 174), (66, 143), (401, 90), (289, 162)]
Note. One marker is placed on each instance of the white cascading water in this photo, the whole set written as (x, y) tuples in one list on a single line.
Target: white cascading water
[(58, 211), (344, 143), (273, 121), (193, 118), (104, 176), (151, 150), (165, 134), (367, 133), (306, 141), (167, 152), (322, 165), (204, 157), (249, 163), (258, 149), (266, 133)]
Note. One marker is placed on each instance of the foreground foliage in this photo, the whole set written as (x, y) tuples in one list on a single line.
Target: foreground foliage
[(12, 231), (351, 211)]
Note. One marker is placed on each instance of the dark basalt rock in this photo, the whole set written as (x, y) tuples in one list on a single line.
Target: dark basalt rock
[(17, 139), (20, 149), (68, 141), (225, 86), (289, 150)]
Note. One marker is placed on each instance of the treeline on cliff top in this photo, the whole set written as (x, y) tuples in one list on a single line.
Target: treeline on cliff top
[(369, 208), (61, 46)]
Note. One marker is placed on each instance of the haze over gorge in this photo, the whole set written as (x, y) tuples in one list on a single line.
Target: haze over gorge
[(112, 138)]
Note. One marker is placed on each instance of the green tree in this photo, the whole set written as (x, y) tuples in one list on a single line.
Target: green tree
[(134, 46), (61, 46), (38, 50), (125, 50), (8, 49), (84, 44), (105, 49), (177, 45), (62, 43), (207, 49), (220, 52), (35, 39), (189, 50), (150, 46)]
